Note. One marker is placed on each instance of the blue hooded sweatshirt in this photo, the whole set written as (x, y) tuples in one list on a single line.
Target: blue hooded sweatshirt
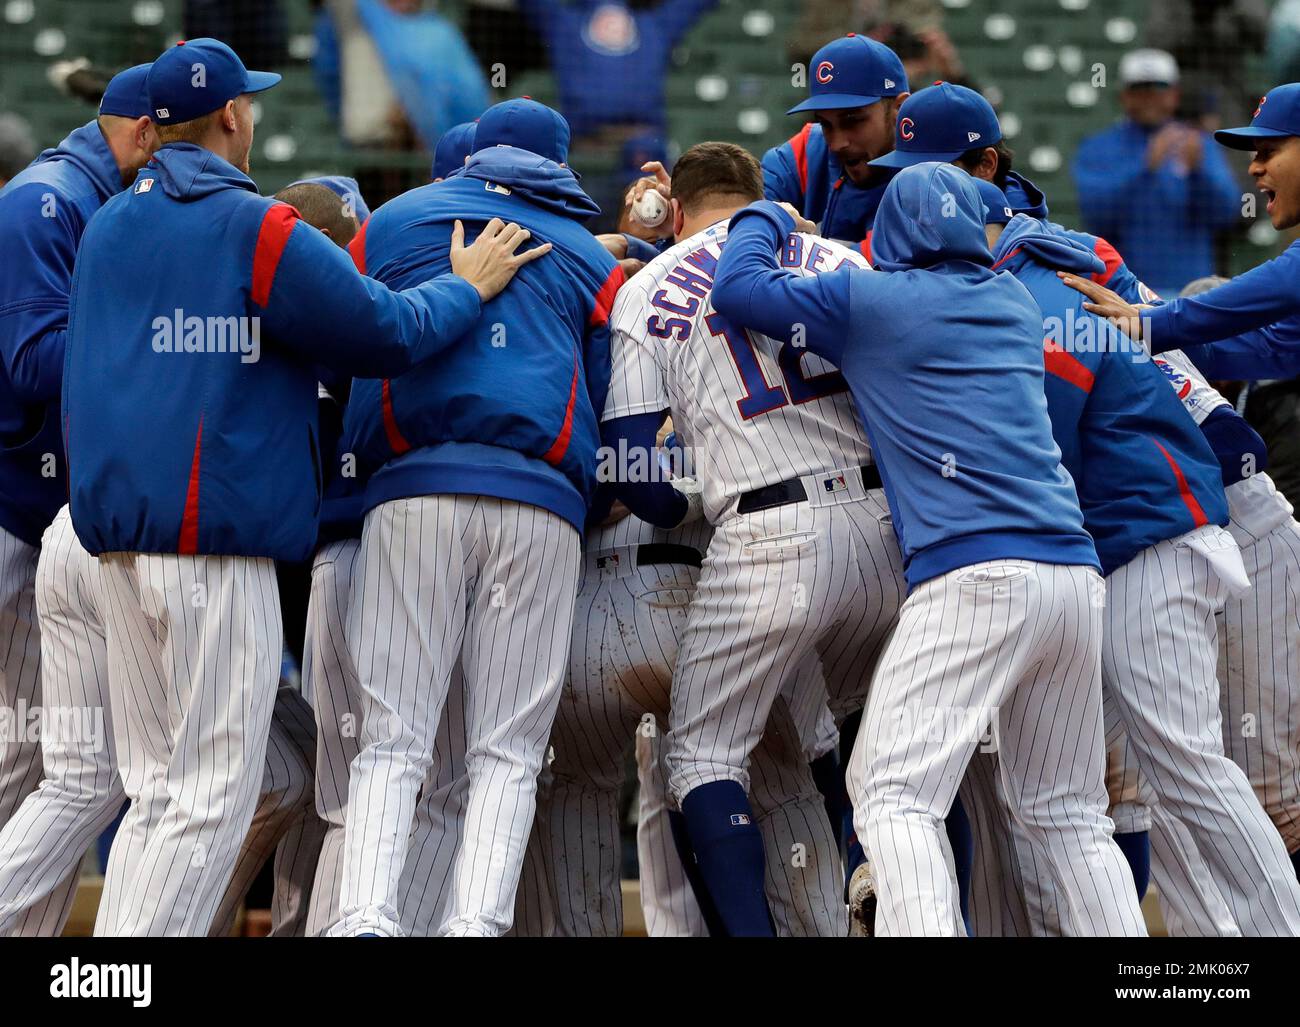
[(944, 359), (199, 312), (1143, 469), (43, 212), (804, 173), (511, 410)]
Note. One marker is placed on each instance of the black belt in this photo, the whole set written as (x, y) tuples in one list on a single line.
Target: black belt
[(792, 491), (653, 553)]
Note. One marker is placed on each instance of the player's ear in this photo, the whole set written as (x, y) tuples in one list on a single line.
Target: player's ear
[(229, 117), (145, 135), (679, 216)]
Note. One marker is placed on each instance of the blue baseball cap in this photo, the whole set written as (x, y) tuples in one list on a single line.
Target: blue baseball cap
[(453, 147), (940, 123), (855, 71), (997, 208), (198, 76), (527, 124), (125, 96), (1277, 115)]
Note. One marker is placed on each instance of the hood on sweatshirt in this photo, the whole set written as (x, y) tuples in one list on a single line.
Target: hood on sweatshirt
[(187, 172), (930, 214), (86, 148), (541, 182), (1046, 243)]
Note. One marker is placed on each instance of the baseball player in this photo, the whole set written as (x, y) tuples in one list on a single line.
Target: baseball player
[(201, 466), (453, 147), (855, 85), (993, 547), (473, 517), (44, 211), (1111, 409), (637, 583), (802, 564)]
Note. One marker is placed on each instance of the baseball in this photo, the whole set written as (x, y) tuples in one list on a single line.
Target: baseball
[(651, 209)]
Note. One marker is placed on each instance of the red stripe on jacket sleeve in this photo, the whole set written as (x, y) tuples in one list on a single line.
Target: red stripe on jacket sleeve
[(272, 238), (560, 446), (864, 247), (396, 440), (799, 145), (1110, 257), (604, 301), (357, 248), (1184, 490), (189, 540), (1066, 366)]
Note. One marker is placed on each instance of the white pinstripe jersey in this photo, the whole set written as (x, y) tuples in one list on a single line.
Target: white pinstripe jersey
[(752, 411)]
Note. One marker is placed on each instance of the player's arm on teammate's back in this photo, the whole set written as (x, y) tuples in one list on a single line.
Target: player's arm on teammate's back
[(35, 281), (318, 305), (752, 290)]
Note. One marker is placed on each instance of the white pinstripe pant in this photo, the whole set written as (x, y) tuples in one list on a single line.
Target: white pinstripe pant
[(194, 646), (780, 588), (488, 583), (1010, 645), (625, 644), (20, 673), (41, 847), (1158, 664)]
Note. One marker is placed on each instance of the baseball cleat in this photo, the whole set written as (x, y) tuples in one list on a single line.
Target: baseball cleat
[(862, 903)]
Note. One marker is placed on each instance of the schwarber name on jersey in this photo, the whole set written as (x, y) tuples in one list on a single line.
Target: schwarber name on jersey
[(750, 410)]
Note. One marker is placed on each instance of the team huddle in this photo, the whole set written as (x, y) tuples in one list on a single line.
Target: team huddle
[(893, 526)]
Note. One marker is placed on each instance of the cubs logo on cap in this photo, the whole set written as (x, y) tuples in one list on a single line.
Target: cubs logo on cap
[(940, 123), (853, 71), (1277, 116)]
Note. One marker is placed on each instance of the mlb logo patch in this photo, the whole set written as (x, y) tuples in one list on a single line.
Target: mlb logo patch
[(739, 820), (492, 187), (144, 185), (608, 562), (836, 483)]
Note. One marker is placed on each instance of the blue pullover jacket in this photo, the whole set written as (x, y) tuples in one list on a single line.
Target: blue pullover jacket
[(199, 311), (43, 212), (1164, 221), (511, 410), (1143, 469), (944, 358)]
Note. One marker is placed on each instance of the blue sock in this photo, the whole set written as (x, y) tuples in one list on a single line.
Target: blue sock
[(1136, 847), (682, 841), (830, 782), (729, 854), (962, 842)]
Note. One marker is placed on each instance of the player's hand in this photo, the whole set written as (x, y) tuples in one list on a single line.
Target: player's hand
[(1193, 149), (615, 242), (801, 223), (491, 261), (658, 179), (1125, 316), (630, 266), (617, 512)]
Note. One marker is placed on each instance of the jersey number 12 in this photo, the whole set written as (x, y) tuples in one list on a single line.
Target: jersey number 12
[(760, 397)]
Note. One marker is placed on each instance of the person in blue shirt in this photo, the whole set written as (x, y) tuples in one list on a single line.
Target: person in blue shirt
[(855, 87), (610, 60), (943, 357), (490, 454), (1153, 185), (44, 211), (198, 312)]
